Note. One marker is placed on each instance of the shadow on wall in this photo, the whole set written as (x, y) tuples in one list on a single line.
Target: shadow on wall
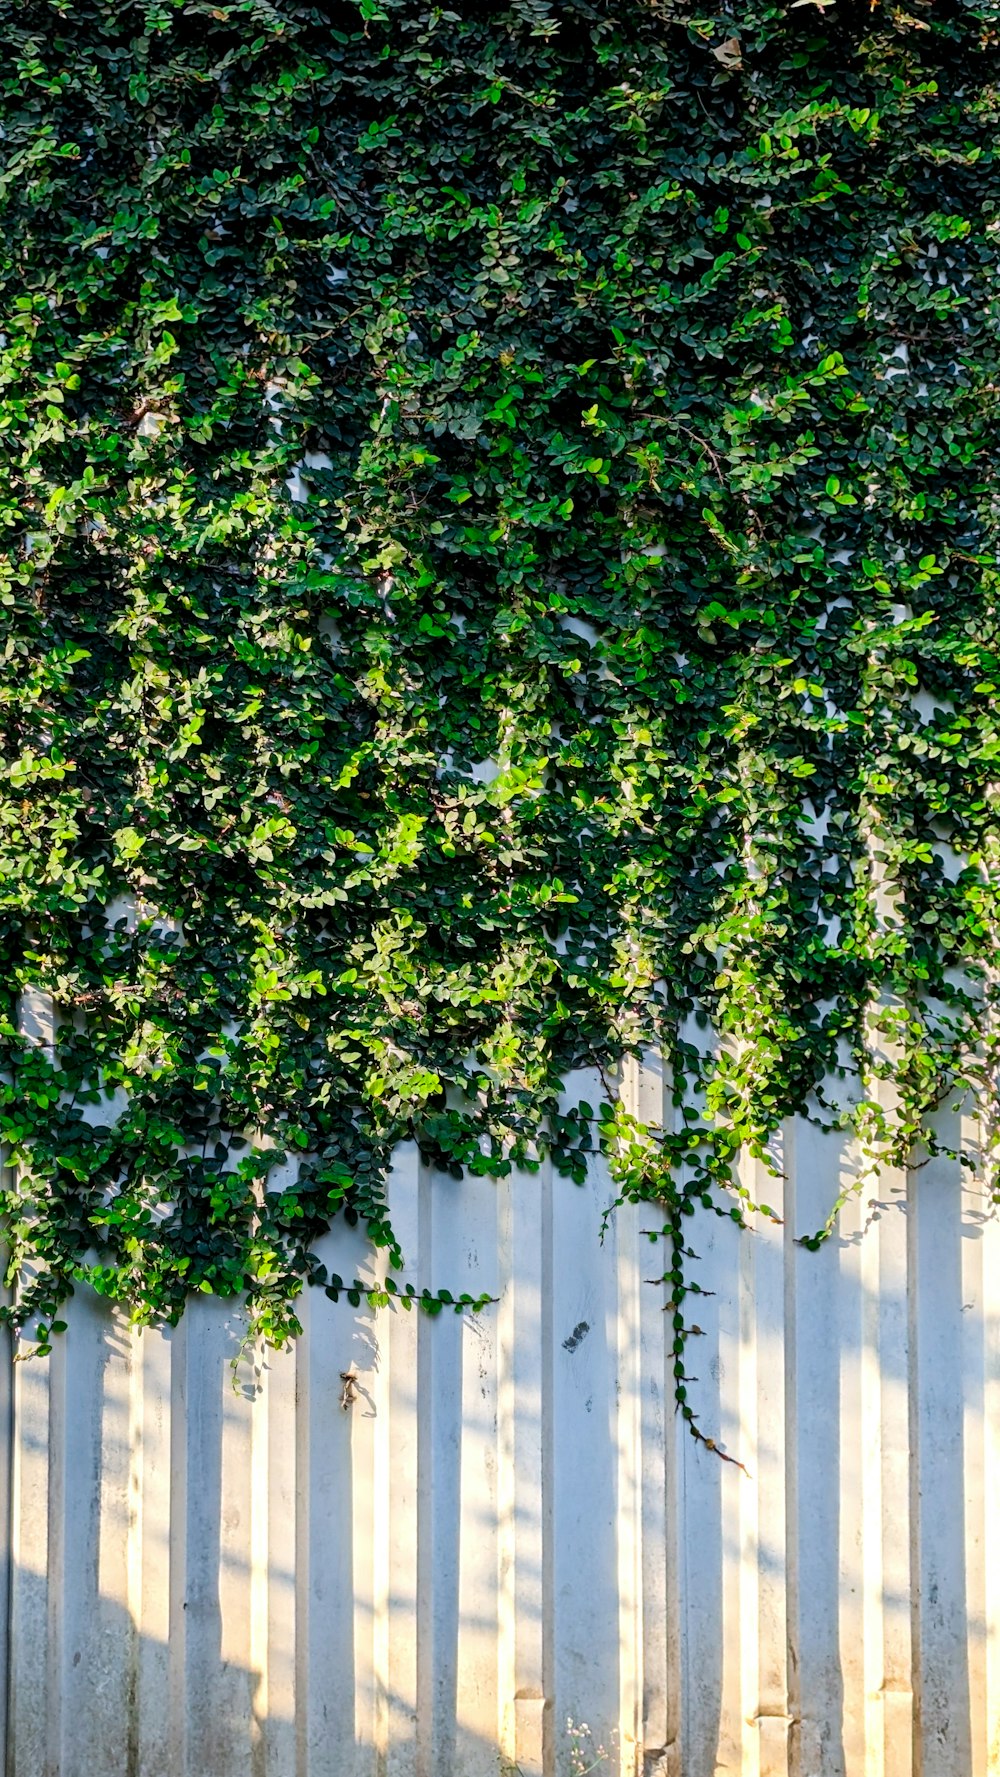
[(135, 1707), (507, 1530), (209, 1580), (140, 1509), (837, 1607)]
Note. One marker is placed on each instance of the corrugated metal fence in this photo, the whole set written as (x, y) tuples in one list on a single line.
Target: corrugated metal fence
[(506, 1553)]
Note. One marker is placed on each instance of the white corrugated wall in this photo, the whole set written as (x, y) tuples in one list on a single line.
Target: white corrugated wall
[(507, 1547)]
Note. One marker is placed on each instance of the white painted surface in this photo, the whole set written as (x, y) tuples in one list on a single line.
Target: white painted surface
[(509, 1530)]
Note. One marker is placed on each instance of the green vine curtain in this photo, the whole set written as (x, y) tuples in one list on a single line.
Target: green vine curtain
[(500, 519)]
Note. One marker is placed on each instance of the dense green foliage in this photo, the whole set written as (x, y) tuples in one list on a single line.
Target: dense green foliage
[(500, 521)]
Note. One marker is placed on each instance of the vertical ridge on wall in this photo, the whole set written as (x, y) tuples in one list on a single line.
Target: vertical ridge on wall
[(981, 1400), (887, 1267), (653, 1644), (506, 1553), (156, 1557), (627, 1354), (524, 1394), (470, 1246), (400, 1446), (6, 1519), (937, 1553), (29, 1686), (767, 1566)]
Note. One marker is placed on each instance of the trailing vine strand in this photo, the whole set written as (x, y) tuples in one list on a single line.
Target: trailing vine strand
[(500, 574)]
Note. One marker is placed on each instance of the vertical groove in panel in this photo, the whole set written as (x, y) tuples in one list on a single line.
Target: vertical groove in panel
[(368, 1520), (203, 1694), (362, 1526), (975, 1226), (153, 1529), (30, 1699), (674, 1434), (775, 1374), (178, 1558), (745, 1504), (657, 1456), (381, 1387), (28, 1690), (763, 1374), (101, 1654), (369, 1523), (989, 1562), (472, 1260), (306, 1763), (324, 1630), (583, 1596), (871, 1574), (818, 1326), (522, 1396), (235, 1572), (327, 1704), (506, 1577), (710, 1648), (7, 1434), (941, 1652), (119, 1629), (629, 1495), (425, 1472), (6, 1530), (888, 1285), (133, 1555), (260, 1550), (859, 1448), (270, 1541), (546, 1601), (737, 1377), (745, 1493), (55, 1650), (399, 1339), (914, 1478), (643, 1103), (792, 1503), (443, 1205), (533, 1697), (7, 1465)]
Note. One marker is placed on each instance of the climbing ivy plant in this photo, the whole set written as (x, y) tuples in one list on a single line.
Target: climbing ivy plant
[(500, 522)]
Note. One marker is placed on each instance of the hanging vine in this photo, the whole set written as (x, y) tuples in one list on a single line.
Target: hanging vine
[(500, 514)]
